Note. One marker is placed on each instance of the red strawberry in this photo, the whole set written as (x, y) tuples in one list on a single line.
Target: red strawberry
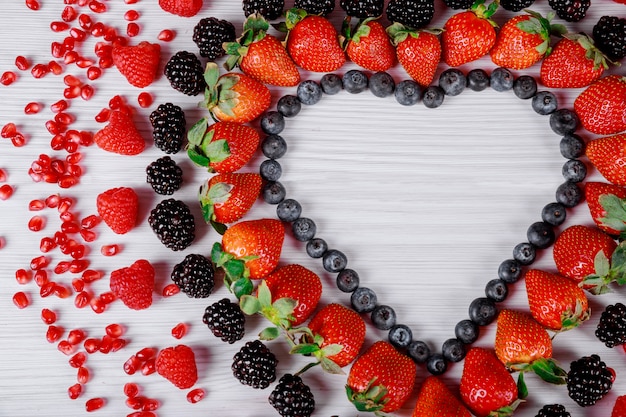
[(227, 197), (556, 302), (469, 35), (574, 62), (297, 283), (607, 206), (486, 385), (369, 46), (118, 208), (313, 42), (223, 146), (134, 284), (381, 379), (138, 63), (419, 52), (608, 156), (234, 97), (602, 106), (177, 364), (619, 408), (436, 399), (120, 135), (184, 8)]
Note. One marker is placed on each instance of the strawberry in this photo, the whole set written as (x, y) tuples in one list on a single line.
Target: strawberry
[(601, 107), (313, 42), (298, 283), (134, 284), (607, 206), (137, 63), (487, 387), (381, 379), (556, 302), (118, 208), (574, 62), (436, 399), (223, 146), (227, 197), (608, 156), (233, 97), (619, 408), (249, 250), (524, 40), (469, 35), (184, 8), (369, 46), (120, 135), (177, 364), (419, 52), (261, 55)]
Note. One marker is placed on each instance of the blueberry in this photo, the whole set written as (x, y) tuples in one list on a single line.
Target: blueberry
[(272, 123), (554, 214), (574, 170), (316, 247), (572, 146), (540, 234), (289, 105), (524, 253), (383, 317), (502, 79), (334, 260), (418, 351), (525, 87), (510, 271), (304, 229), (436, 364), (274, 146), (478, 79), (453, 350), (400, 336), (382, 84), (309, 92), (331, 84), (564, 121), (569, 194), (288, 210), (270, 170), (433, 96), (544, 102), (482, 311), (466, 331), (408, 92), (496, 290), (363, 300), (452, 81), (347, 280), (355, 81), (273, 192)]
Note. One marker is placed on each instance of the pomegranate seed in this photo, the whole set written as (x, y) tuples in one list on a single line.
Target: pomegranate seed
[(78, 264), (88, 235), (6, 191), (131, 365), (74, 391), (97, 7), (149, 367), (3, 175), (59, 106), (150, 404), (71, 80), (91, 345), (85, 22), (117, 344), (195, 395), (32, 108), (130, 1), (55, 68), (67, 181), (78, 34), (110, 34), (86, 92), (179, 330), (57, 142), (70, 227), (90, 275), (67, 216), (103, 115), (54, 333), (71, 92), (116, 102), (136, 402), (48, 316), (131, 389), (8, 130), (46, 244), (69, 14), (131, 15), (78, 284), (62, 291), (40, 277), (36, 205), (82, 299), (106, 344), (97, 305), (114, 330), (97, 29), (57, 50), (39, 70), (75, 157), (146, 353), (170, 289), (39, 262), (78, 360), (141, 414), (22, 276), (20, 299), (71, 57), (8, 78), (63, 118), (110, 250), (166, 35), (86, 138), (82, 375), (32, 4), (90, 221), (53, 127), (18, 140), (22, 63), (107, 297), (144, 99), (62, 267), (36, 223), (94, 404), (65, 347), (47, 289), (59, 26), (132, 29), (52, 201), (93, 73)]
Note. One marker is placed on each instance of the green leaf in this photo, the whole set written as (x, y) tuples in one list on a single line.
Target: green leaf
[(242, 286), (264, 295), (219, 227), (197, 158), (217, 254), (522, 389), (285, 306), (269, 333), (197, 131), (211, 75), (249, 304), (331, 367), (332, 349), (217, 150), (601, 264), (304, 349), (549, 371)]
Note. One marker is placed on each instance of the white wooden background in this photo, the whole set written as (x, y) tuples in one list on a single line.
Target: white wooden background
[(425, 203)]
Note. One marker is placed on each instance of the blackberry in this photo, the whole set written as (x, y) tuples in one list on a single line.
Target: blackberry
[(292, 397), (210, 33), (255, 365), (164, 175), (411, 13), (173, 223), (611, 328), (168, 127), (553, 410), (515, 5), (458, 4), (225, 320), (362, 8), (570, 10), (320, 7), (194, 276), (185, 73), (269, 9), (588, 380), (609, 35)]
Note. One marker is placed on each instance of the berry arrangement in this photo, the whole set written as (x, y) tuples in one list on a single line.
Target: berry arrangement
[(386, 362)]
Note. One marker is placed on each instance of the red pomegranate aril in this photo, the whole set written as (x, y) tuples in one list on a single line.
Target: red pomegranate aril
[(78, 265), (78, 34), (57, 50), (18, 140), (103, 115), (57, 142), (94, 404), (40, 277), (195, 395), (114, 330), (22, 63), (65, 347), (131, 365), (22, 276), (70, 227), (75, 157), (71, 92), (93, 73), (86, 138), (85, 22), (59, 106), (69, 14), (97, 305), (8, 78), (76, 336), (106, 344), (33, 4), (78, 285), (53, 127), (179, 330), (58, 166), (54, 333), (36, 205), (74, 391), (97, 29), (105, 62), (8, 130), (65, 203), (144, 99), (109, 250), (52, 201), (78, 360), (62, 267), (102, 49), (132, 29), (55, 68), (86, 92), (130, 1), (71, 80), (46, 244), (3, 175), (67, 181), (136, 402), (39, 262), (131, 389), (117, 344), (146, 353), (67, 216), (90, 275), (131, 15), (50, 177), (107, 297), (47, 289), (20, 299), (87, 235), (90, 221), (82, 375), (6, 191), (170, 290), (39, 70), (141, 414), (48, 316), (166, 35), (149, 367), (36, 223), (70, 147), (59, 26), (62, 291), (71, 57), (110, 34), (97, 7), (85, 62), (32, 108), (82, 299), (64, 118), (91, 345)]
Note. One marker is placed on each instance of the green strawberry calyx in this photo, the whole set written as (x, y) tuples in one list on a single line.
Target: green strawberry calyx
[(614, 213), (571, 318), (483, 11), (372, 399), (542, 26), (236, 273), (218, 193), (398, 32), (592, 53), (254, 29), (279, 312), (321, 354), (608, 271), (202, 149), (219, 90), (545, 368)]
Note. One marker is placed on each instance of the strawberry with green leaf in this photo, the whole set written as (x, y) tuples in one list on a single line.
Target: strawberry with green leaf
[(601, 106), (607, 206), (608, 156), (436, 399), (369, 46), (418, 51), (279, 311)]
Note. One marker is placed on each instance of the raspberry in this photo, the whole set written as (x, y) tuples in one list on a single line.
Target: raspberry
[(134, 284), (619, 409), (178, 365), (184, 8), (118, 208), (120, 135), (138, 63)]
